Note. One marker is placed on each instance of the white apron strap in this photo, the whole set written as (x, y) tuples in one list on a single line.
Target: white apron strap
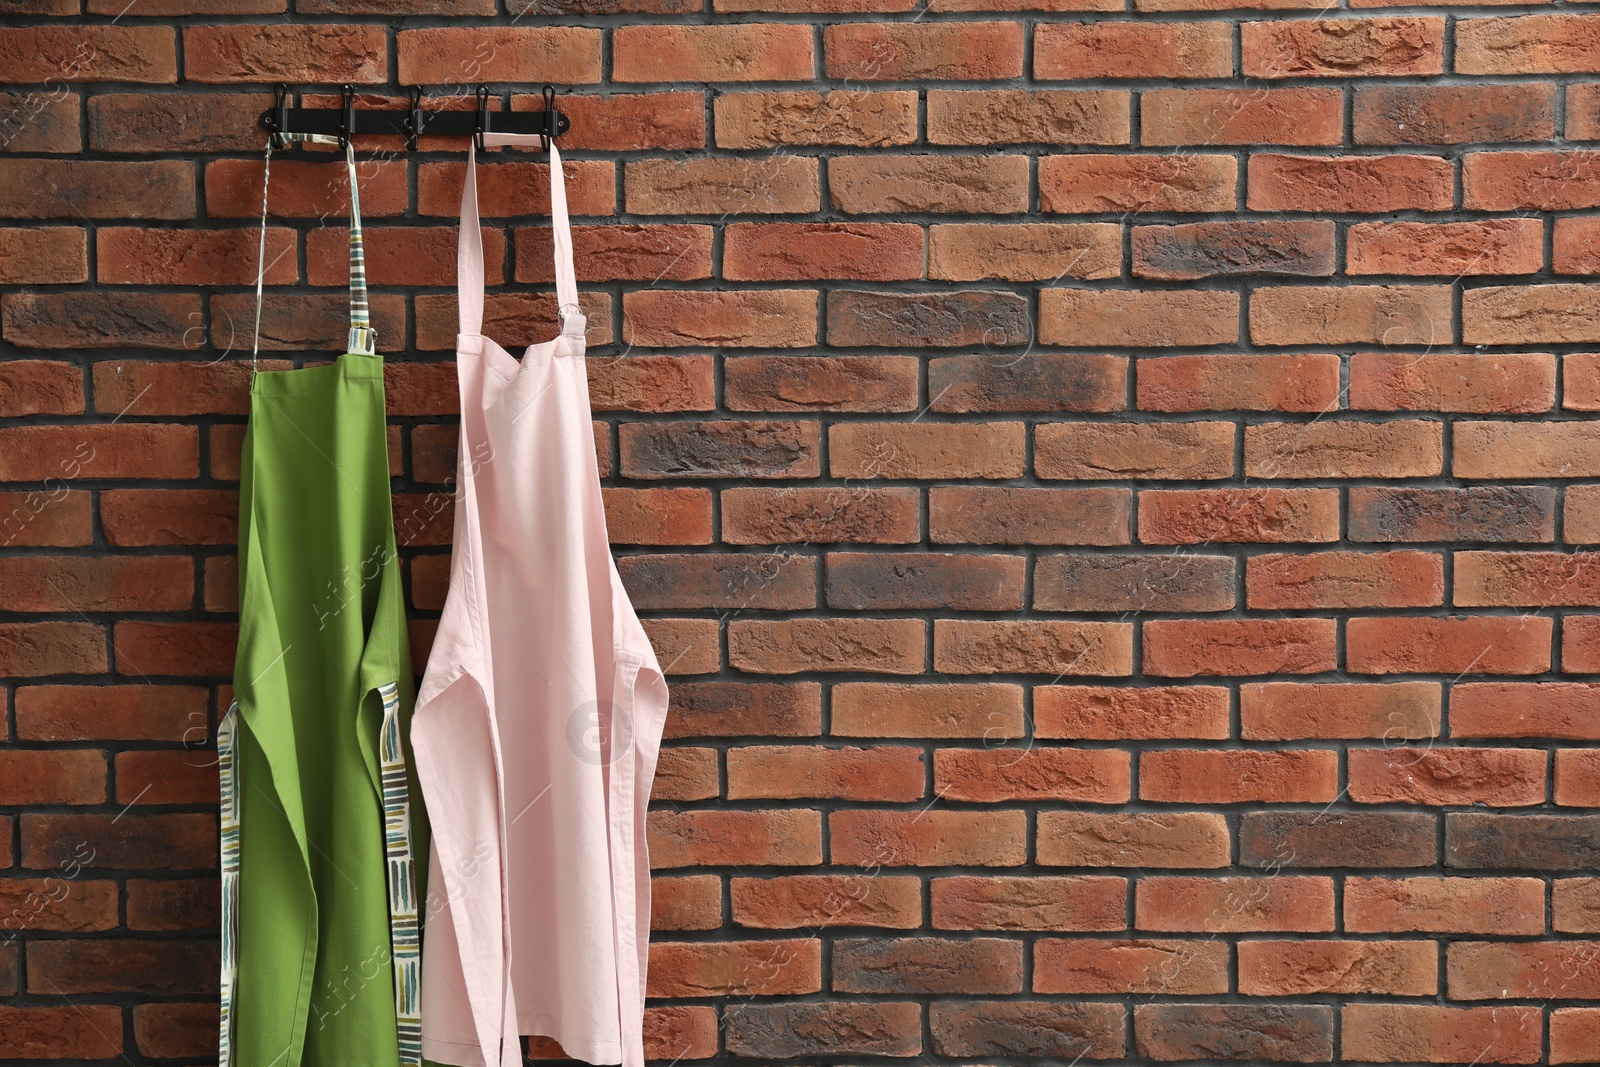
[(469, 246)]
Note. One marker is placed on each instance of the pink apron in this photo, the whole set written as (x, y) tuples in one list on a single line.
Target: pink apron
[(539, 719)]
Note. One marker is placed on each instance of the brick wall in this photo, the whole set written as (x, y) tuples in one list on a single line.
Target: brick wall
[(1112, 483)]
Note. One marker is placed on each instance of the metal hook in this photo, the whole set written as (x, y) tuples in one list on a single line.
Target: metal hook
[(279, 124), (483, 116), (414, 123), (347, 121), (548, 137)]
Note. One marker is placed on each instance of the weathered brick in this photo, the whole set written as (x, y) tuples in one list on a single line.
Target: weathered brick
[(752, 318), (1152, 839), (1301, 1033), (1275, 840), (1176, 648), (988, 775), (1183, 903), (1453, 114), (1147, 318), (1023, 252), (1503, 777), (89, 53), (1197, 776), (1366, 184), (774, 251), (1452, 249), (1228, 382), (1038, 382), (1027, 116), (943, 51), (1477, 513), (1449, 645), (1287, 711), (807, 901), (1103, 965), (880, 709), (1478, 840), (820, 383), (936, 319), (1168, 450), (836, 117), (1429, 1033), (658, 516), (1300, 116), (1226, 249), (1094, 50), (1343, 580), (1179, 582), (126, 189), (1575, 248), (1111, 713), (662, 581), (880, 184), (788, 772), (1032, 646), (788, 837), (928, 838), (880, 646), (1444, 905), (1574, 1033), (90, 1031), (1052, 1029), (1090, 902), (1536, 181), (1532, 44), (1091, 184), (720, 709), (863, 581), (1343, 47), (1007, 516), (772, 967), (451, 55), (630, 121), (1351, 314), (1525, 449), (1563, 710), (44, 256), (927, 965), (1194, 516), (874, 1028), (819, 515), (777, 185), (306, 52)]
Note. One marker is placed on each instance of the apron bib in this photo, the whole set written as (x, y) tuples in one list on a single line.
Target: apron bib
[(319, 942), (539, 720)]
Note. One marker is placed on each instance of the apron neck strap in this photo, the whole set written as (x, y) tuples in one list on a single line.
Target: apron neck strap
[(362, 337), (469, 247)]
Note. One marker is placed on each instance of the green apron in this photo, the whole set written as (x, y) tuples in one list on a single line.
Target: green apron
[(320, 915)]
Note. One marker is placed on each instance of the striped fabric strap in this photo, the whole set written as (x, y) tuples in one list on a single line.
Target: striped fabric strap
[(363, 338), (230, 880), (403, 925)]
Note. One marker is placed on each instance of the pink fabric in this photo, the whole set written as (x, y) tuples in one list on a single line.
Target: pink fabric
[(539, 720)]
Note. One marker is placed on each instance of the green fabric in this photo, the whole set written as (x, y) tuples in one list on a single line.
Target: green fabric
[(322, 630)]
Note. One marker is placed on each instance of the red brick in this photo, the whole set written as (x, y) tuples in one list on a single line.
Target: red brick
[(1533, 44), (880, 709), (1192, 516), (1583, 112), (140, 842), (88, 53), (685, 646), (168, 122), (1367, 184), (1304, 968), (774, 967), (1049, 1030), (129, 256), (1001, 516), (1029, 903), (819, 515), (782, 185), (865, 450), (174, 904), (1527, 450), (1026, 116), (1173, 450), (1111, 713), (36, 778), (1452, 645), (1150, 839), (947, 319), (79, 1031), (1148, 318), (1478, 384), (1091, 776), (777, 1030), (41, 123), (1488, 970), (126, 189), (1023, 252), (927, 965), (1532, 578), (652, 383), (1577, 778), (1575, 906), (1094, 50), (760, 318), (791, 837), (1561, 710), (1497, 777), (1574, 1034), (625, 122), (122, 966), (1344, 580), (658, 516), (1453, 249), (1238, 382), (881, 184), (1343, 47), (721, 709), (1580, 649), (944, 51), (165, 778), (112, 583), (1299, 116), (746, 52), (719, 449), (44, 256), (1207, 777), (882, 646), (319, 52), (29, 649), (768, 120), (1351, 315), (177, 648), (1134, 582), (40, 387), (1454, 114), (1225, 249), (138, 517), (1444, 905), (1234, 905), (1537, 181), (1105, 966), (1090, 184), (1289, 711), (175, 1030), (1188, 647), (928, 838), (1576, 247), (1032, 646), (111, 713), (453, 55), (512, 190), (793, 772), (888, 581), (1402, 448), (779, 251), (809, 901), (820, 383), (56, 516)]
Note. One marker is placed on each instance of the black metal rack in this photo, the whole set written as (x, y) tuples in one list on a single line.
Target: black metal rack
[(348, 120)]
